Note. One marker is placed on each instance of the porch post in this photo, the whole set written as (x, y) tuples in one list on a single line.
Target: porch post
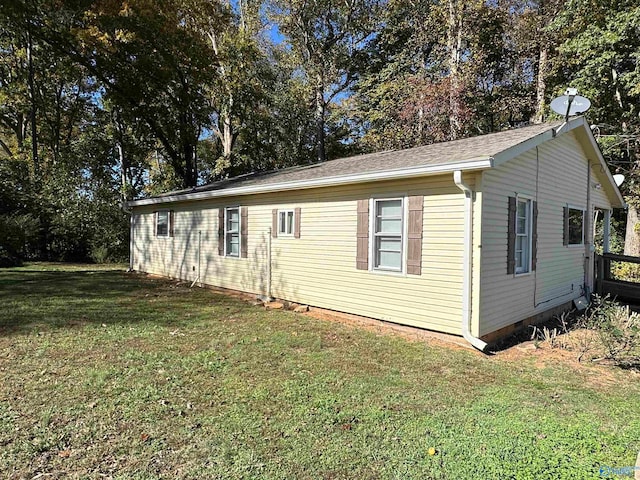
[(588, 237), (606, 231)]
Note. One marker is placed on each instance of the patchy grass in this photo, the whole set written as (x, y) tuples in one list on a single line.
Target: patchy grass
[(104, 373)]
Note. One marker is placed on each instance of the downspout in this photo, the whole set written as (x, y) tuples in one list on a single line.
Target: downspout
[(267, 297), (467, 263), (269, 265), (131, 241), (127, 210)]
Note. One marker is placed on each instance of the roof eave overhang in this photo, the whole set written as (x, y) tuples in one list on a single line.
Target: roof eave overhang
[(566, 127), (604, 169), (479, 163), (514, 151)]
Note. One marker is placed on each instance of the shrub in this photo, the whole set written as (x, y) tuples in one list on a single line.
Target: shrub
[(7, 259), (617, 329), (625, 271), (554, 336), (100, 254), (18, 234)]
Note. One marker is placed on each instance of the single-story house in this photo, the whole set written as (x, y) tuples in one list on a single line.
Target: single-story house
[(473, 237)]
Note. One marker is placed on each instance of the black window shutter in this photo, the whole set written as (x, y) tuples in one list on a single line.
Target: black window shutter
[(414, 242), (362, 249), (511, 237), (244, 232), (171, 217), (296, 219), (274, 223), (221, 231), (534, 239), (155, 223), (565, 230)]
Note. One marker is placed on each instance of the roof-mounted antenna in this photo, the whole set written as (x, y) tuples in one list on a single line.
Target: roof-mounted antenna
[(569, 104)]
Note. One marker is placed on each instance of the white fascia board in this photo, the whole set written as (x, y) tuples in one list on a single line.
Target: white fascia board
[(512, 152), (574, 123), (604, 167), (425, 170)]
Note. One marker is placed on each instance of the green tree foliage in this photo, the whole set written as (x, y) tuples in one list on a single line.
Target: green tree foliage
[(438, 71), (103, 101), (152, 65), (601, 56), (327, 40)]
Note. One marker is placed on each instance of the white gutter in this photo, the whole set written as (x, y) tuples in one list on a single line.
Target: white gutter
[(472, 164), (131, 225), (467, 259), (126, 208)]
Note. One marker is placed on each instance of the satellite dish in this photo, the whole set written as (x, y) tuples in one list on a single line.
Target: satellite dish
[(570, 104), (619, 178)]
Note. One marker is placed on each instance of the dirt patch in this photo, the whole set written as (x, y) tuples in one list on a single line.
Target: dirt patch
[(381, 327), (598, 374)]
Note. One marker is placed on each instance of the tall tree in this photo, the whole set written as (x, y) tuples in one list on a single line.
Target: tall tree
[(600, 58), (240, 88), (394, 92), (437, 71), (536, 38), (14, 96), (327, 39), (148, 60)]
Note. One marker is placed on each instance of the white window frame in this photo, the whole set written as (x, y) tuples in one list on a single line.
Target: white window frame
[(282, 227), (373, 235), (529, 236), (168, 213), (227, 232), (584, 213)]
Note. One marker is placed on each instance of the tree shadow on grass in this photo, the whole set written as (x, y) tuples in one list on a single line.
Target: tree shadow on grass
[(34, 299)]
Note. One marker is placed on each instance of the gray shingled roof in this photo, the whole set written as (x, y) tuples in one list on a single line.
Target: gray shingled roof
[(477, 148)]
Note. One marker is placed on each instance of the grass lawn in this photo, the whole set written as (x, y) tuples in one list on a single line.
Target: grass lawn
[(105, 374)]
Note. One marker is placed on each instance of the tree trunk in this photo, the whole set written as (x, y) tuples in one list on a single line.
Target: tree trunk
[(191, 174), (454, 45), (227, 136), (56, 127), (32, 97), (632, 235), (125, 177), (420, 121), (614, 76), (320, 111), (541, 85), (21, 130), (6, 149)]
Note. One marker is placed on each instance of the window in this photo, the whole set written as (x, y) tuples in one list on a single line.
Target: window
[(232, 231), (576, 226), (523, 236), (388, 228), (285, 222), (162, 223)]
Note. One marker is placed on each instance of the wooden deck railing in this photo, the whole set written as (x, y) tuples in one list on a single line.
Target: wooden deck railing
[(605, 284)]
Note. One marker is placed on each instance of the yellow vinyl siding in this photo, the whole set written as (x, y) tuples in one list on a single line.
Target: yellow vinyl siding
[(319, 269), (561, 180)]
